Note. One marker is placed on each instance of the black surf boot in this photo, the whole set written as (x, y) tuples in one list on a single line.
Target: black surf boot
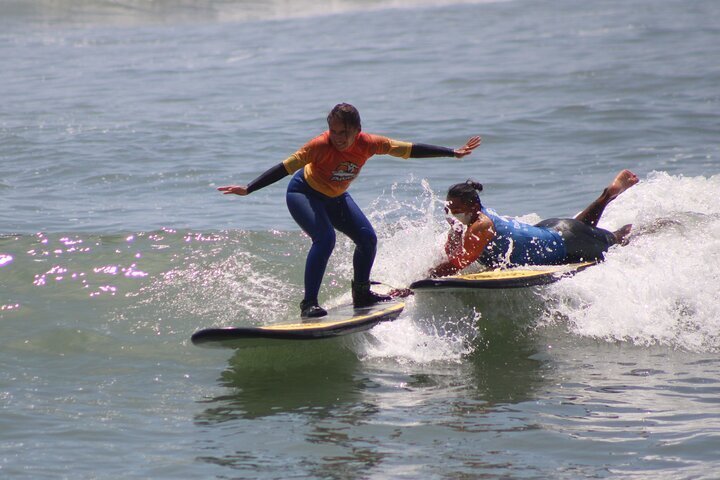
[(311, 309), (364, 297)]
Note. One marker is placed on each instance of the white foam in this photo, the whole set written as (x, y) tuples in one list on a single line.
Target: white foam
[(662, 288), (141, 12), (411, 235), (220, 290), (282, 9), (412, 340)]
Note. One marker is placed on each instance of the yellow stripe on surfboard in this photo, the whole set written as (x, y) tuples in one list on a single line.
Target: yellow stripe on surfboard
[(314, 325), (526, 272), (518, 277)]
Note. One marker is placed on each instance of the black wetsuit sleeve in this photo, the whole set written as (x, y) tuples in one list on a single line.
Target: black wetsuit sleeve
[(268, 178), (422, 150)]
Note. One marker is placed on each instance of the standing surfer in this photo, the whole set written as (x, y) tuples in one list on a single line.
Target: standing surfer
[(318, 200)]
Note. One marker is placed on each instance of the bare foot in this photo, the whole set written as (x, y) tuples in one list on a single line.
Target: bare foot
[(622, 235), (622, 182)]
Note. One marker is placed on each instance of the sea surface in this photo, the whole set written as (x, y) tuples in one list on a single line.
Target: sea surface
[(118, 121)]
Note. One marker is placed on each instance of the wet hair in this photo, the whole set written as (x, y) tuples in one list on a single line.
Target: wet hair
[(466, 192), (347, 114)]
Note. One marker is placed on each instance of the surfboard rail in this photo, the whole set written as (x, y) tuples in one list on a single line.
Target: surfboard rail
[(504, 278), (342, 320)]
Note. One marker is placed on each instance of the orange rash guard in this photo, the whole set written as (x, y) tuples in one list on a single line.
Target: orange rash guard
[(330, 171), (463, 248)]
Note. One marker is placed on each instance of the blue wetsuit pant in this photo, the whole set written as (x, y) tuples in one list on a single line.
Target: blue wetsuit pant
[(319, 216)]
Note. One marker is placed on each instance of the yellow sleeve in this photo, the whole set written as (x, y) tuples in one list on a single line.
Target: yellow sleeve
[(396, 148), (293, 163), (297, 160), (304, 155)]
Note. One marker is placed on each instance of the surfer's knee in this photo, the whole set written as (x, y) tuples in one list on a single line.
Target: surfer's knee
[(366, 238), (325, 242)]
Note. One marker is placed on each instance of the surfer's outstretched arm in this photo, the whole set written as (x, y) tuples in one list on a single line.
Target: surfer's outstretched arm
[(271, 176), (469, 146), (234, 190), (422, 150)]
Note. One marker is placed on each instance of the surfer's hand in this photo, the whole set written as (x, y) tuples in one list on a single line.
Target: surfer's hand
[(234, 189), (442, 270), (455, 224), (400, 292), (467, 149)]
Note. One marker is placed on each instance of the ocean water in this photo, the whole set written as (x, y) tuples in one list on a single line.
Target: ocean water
[(119, 120)]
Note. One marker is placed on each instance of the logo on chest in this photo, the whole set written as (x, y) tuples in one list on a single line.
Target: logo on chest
[(344, 172)]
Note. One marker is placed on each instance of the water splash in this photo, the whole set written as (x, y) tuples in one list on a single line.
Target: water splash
[(661, 288), (140, 12), (225, 281), (411, 235), (421, 340)]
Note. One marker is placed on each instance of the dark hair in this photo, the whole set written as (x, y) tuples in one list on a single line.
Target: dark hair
[(347, 114), (467, 192)]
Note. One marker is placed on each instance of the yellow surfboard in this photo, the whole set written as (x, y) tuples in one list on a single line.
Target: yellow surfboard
[(504, 278), (341, 320)]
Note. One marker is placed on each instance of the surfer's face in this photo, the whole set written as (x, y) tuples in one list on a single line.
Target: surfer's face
[(342, 136), (466, 213)]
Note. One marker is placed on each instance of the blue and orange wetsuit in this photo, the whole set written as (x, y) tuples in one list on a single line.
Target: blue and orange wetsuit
[(318, 200), (550, 242)]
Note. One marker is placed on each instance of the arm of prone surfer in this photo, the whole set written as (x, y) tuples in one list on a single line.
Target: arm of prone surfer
[(443, 270), (474, 242), (454, 264), (453, 249), (268, 178), (453, 245)]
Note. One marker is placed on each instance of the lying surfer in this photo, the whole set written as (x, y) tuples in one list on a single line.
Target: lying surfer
[(479, 234), (319, 203)]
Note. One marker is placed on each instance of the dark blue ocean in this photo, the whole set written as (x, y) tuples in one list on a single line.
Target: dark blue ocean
[(119, 120)]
